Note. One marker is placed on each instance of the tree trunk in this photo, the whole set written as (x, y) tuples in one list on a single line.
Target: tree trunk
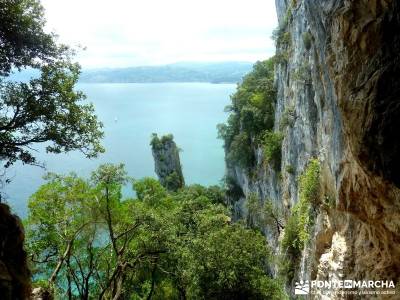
[(66, 254)]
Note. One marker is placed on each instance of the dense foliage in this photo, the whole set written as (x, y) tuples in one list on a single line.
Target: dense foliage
[(158, 143), (288, 118), (168, 166), (272, 148), (88, 242), (298, 225), (251, 114), (45, 109)]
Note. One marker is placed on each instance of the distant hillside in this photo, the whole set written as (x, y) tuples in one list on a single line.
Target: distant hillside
[(229, 72)]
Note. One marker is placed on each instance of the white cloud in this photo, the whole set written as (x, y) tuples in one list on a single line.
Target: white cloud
[(132, 32)]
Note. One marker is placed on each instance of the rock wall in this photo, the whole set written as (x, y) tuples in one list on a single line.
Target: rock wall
[(14, 271), (355, 44), (338, 74), (167, 164)]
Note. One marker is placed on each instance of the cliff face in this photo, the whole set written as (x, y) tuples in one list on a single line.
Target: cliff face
[(338, 75), (14, 272), (167, 163)]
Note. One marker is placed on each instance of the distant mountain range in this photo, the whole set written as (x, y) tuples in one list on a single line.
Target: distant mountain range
[(214, 72), (221, 72)]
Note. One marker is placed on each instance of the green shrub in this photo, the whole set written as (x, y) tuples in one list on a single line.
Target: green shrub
[(290, 169), (157, 142), (263, 215), (227, 132), (173, 182), (309, 183), (240, 151), (149, 190), (252, 111), (272, 216), (254, 210), (299, 222), (272, 148), (302, 73), (282, 37), (309, 192), (281, 57), (288, 117), (298, 225)]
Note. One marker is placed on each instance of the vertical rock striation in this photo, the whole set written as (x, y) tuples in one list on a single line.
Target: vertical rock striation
[(338, 72), (167, 163)]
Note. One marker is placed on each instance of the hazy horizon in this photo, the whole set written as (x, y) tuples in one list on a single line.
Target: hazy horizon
[(135, 33), (170, 64)]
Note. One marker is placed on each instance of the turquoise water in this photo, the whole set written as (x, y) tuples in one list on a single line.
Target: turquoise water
[(130, 113)]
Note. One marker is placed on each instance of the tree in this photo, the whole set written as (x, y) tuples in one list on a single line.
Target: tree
[(252, 111), (59, 223), (87, 240), (215, 259), (92, 243), (46, 109)]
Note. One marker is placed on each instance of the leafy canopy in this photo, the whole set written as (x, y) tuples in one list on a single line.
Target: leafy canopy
[(92, 243), (251, 113), (47, 108)]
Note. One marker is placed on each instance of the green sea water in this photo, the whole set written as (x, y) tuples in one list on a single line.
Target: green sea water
[(130, 114)]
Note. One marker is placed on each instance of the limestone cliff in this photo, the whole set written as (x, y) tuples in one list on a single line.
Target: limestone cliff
[(337, 73), (167, 163), (14, 271)]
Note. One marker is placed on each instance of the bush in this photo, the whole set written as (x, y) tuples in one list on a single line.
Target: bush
[(288, 117), (309, 187), (272, 148), (214, 193), (290, 169), (281, 57), (254, 210), (302, 73), (298, 225), (263, 215), (157, 142), (240, 151), (251, 112), (282, 37), (149, 190), (173, 182), (309, 183)]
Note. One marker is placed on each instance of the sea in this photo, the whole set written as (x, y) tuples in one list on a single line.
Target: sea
[(130, 113)]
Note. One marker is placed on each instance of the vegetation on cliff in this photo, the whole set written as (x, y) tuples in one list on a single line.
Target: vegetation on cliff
[(167, 162), (264, 214), (88, 241), (298, 225), (251, 119)]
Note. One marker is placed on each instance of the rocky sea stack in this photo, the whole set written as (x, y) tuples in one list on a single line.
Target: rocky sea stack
[(167, 163)]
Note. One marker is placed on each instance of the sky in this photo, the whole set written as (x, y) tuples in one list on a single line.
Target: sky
[(124, 33)]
